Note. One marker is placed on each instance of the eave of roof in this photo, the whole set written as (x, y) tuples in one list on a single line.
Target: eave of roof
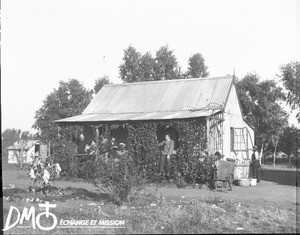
[(124, 117)]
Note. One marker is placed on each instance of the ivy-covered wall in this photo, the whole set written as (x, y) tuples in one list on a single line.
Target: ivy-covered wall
[(189, 135), (188, 163), (143, 147)]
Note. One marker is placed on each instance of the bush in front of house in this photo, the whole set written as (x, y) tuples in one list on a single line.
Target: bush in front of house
[(114, 174), (117, 177), (63, 152)]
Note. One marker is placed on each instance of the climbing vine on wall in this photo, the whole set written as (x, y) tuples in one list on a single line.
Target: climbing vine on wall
[(192, 143), (143, 146)]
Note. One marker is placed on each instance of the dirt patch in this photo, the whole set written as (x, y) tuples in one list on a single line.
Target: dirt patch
[(277, 188)]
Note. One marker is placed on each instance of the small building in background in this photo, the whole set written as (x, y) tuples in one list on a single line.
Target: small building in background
[(31, 148)]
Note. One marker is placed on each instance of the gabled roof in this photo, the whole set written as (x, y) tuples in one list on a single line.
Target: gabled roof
[(156, 100), (17, 145)]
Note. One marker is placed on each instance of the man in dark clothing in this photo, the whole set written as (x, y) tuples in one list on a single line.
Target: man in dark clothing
[(255, 164), (81, 144), (165, 159)]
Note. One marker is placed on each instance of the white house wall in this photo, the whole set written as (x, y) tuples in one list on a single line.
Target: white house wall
[(14, 154), (30, 154), (233, 118)]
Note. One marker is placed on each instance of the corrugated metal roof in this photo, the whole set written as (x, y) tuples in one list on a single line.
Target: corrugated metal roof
[(168, 99)]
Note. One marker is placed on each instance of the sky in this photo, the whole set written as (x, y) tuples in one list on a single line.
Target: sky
[(46, 41)]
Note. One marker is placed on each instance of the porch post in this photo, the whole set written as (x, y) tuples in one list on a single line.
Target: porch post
[(97, 140), (58, 131), (207, 136)]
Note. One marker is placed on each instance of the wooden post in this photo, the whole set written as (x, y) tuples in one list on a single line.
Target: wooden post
[(58, 131), (22, 153), (49, 145), (207, 136), (97, 141)]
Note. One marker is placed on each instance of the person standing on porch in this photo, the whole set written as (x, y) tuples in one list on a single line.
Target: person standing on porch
[(167, 151), (81, 143)]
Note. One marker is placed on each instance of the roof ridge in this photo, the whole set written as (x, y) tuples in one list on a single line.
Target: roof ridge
[(169, 81)]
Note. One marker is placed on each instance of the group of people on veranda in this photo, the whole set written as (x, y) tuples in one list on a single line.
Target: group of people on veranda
[(110, 147)]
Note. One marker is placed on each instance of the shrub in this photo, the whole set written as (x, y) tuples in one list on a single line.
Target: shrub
[(43, 171), (63, 152), (116, 175)]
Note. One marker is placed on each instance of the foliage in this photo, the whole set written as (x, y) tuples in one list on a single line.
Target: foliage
[(138, 67), (261, 107), (147, 63), (186, 165), (64, 153), (114, 174), (190, 155), (9, 137), (143, 157), (286, 145), (70, 99), (290, 76), (163, 66), (197, 67), (100, 82), (166, 65), (142, 145), (289, 142), (129, 70), (46, 172)]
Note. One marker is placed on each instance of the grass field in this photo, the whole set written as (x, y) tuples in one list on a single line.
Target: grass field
[(165, 210)]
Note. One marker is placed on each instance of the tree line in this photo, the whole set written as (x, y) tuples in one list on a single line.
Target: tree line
[(262, 101), (164, 66)]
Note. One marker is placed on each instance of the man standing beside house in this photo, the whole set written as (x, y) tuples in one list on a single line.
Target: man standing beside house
[(167, 151), (255, 164)]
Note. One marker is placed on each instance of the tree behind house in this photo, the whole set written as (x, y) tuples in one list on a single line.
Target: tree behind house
[(129, 70), (261, 107), (166, 65), (100, 82), (70, 99), (290, 76), (197, 67)]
